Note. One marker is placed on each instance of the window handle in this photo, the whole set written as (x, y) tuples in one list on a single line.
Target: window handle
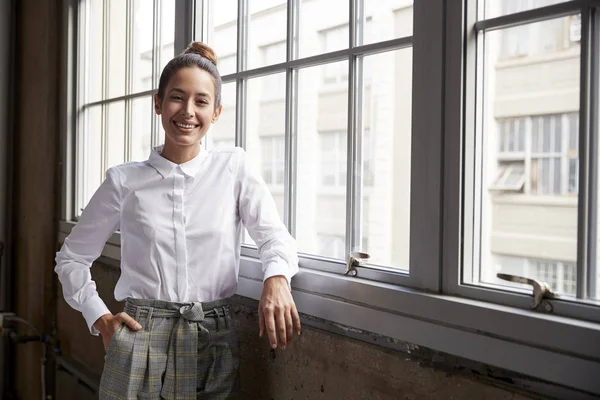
[(356, 259), (541, 291)]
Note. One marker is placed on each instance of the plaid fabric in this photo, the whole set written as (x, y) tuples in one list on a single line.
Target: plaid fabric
[(183, 351)]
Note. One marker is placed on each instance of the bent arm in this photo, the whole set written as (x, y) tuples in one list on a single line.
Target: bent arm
[(83, 246)]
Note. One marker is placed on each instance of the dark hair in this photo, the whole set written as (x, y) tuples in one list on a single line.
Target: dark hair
[(197, 55)]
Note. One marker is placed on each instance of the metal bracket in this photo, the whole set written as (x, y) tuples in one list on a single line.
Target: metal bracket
[(355, 259), (541, 291)]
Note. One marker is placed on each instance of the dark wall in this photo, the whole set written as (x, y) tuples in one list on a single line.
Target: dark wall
[(35, 170)]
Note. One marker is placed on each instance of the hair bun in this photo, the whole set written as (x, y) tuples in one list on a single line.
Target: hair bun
[(202, 50)]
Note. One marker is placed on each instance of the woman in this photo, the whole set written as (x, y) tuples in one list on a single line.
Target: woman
[(180, 215)]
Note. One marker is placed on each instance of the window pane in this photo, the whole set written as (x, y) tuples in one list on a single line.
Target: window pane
[(141, 130), (265, 140), (222, 32), (323, 27), (496, 8), (90, 173), (166, 47), (93, 49), (386, 20), (115, 144), (268, 25), (223, 131), (321, 191), (386, 158), (117, 34), (142, 46), (537, 96)]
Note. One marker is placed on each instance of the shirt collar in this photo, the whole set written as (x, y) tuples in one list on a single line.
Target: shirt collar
[(166, 167)]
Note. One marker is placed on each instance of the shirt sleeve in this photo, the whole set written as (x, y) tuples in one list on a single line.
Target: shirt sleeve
[(276, 247), (83, 246)]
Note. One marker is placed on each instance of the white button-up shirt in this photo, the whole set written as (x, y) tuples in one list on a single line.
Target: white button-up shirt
[(181, 228)]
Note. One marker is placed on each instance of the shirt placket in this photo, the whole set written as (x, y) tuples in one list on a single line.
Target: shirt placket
[(180, 237)]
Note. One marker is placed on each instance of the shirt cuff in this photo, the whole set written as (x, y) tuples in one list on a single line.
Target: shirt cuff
[(93, 309), (278, 269)]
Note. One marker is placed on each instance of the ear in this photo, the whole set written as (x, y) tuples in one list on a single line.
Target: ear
[(156, 104), (217, 113)]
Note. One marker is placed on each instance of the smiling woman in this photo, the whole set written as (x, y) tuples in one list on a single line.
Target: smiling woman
[(180, 215)]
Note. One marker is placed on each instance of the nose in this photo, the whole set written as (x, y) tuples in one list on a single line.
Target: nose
[(188, 109)]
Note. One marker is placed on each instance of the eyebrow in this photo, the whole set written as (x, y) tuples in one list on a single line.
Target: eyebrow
[(178, 90)]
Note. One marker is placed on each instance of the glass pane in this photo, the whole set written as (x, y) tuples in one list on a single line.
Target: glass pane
[(142, 46), (222, 32), (323, 27), (141, 128), (267, 33), (91, 174), (115, 144), (166, 47), (117, 34), (321, 183), (386, 20), (386, 158), (265, 135), (93, 49), (222, 133), (515, 231), (497, 8)]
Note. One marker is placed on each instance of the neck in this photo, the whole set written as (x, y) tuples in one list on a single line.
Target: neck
[(180, 154)]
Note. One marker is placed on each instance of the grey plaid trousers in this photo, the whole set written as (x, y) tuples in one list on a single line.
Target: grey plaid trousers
[(183, 351)]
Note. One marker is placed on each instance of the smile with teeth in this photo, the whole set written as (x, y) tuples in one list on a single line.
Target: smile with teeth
[(185, 126)]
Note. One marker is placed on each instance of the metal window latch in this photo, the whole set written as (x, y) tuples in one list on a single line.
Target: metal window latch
[(541, 291), (355, 259)]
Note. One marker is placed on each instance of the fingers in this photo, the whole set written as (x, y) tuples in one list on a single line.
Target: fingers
[(289, 327), (280, 321), (269, 322), (261, 321), (130, 322), (296, 319)]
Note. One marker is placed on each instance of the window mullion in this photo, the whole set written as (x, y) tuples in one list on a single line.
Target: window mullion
[(594, 132), (291, 113), (427, 140), (155, 62), (105, 64), (586, 211), (128, 81), (242, 59), (352, 227)]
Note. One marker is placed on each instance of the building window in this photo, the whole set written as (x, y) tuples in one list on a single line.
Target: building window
[(333, 158), (273, 85), (273, 159), (561, 276), (332, 39), (548, 166)]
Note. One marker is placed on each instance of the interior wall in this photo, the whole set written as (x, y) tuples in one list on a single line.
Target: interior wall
[(35, 189)]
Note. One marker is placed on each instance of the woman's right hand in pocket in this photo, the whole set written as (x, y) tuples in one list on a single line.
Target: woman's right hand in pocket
[(108, 324)]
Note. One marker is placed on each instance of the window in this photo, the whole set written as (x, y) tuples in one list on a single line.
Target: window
[(525, 145), (335, 38), (123, 47), (273, 159), (547, 165), (274, 84), (312, 118), (333, 158)]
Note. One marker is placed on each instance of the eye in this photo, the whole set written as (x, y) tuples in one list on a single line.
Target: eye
[(176, 97)]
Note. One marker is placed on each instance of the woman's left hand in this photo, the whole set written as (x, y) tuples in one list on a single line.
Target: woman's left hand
[(277, 313)]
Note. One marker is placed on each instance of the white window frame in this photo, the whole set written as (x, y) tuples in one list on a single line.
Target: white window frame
[(428, 307)]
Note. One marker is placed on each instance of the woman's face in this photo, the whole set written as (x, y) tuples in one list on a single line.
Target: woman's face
[(188, 107)]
